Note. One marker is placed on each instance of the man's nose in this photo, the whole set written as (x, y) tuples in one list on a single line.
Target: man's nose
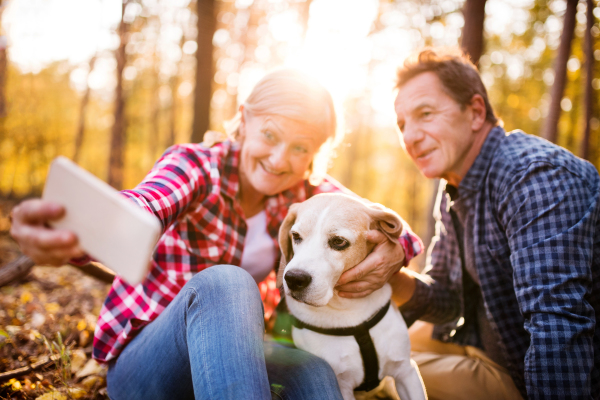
[(411, 135)]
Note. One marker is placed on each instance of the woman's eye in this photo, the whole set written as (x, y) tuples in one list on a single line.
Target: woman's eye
[(296, 237), (338, 243), (301, 149), (268, 135)]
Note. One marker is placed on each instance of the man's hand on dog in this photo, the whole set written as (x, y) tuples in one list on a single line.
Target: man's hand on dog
[(375, 270)]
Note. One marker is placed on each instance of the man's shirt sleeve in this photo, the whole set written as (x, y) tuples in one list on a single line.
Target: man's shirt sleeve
[(549, 215), (435, 299)]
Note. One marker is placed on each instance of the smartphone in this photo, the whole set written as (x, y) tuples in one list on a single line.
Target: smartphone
[(110, 228)]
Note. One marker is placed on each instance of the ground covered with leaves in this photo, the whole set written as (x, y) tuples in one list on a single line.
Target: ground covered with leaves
[(47, 322)]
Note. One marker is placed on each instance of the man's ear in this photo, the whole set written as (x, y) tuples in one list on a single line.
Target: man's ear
[(285, 242), (385, 220), (479, 112)]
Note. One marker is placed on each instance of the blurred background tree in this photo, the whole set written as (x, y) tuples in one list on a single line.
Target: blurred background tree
[(113, 83)]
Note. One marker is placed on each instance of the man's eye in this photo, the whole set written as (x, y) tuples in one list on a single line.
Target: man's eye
[(296, 237), (338, 243)]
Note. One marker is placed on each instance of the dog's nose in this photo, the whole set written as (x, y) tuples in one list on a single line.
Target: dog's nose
[(297, 280)]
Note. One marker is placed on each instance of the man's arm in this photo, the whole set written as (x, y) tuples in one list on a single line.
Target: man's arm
[(549, 215), (430, 296)]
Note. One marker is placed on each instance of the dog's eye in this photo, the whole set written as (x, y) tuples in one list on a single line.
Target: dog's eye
[(338, 243), (296, 237)]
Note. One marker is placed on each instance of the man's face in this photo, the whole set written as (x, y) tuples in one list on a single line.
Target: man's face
[(437, 134)]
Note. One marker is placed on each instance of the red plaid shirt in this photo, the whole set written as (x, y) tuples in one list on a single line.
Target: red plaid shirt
[(193, 192)]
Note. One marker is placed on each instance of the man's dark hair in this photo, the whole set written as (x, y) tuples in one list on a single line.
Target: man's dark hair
[(457, 73)]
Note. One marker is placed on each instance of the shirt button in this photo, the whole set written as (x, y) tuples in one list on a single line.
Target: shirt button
[(445, 337)]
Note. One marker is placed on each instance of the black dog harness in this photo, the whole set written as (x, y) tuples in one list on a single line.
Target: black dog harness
[(365, 344)]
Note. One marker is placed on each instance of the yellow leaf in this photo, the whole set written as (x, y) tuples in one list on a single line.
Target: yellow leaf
[(77, 393), (15, 385), (52, 396), (81, 325), (26, 297), (52, 308)]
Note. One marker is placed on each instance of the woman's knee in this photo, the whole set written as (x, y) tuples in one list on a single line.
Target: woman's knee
[(297, 365), (226, 287), (223, 278)]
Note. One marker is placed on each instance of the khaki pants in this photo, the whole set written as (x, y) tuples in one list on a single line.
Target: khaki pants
[(452, 372)]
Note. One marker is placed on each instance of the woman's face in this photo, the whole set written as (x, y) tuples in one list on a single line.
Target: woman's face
[(276, 151)]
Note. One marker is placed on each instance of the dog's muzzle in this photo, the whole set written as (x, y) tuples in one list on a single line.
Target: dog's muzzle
[(297, 280)]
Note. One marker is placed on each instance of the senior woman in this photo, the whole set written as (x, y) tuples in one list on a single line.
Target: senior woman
[(194, 327)]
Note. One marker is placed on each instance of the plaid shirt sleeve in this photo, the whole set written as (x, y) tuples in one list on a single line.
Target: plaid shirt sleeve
[(549, 215), (177, 180), (435, 299)]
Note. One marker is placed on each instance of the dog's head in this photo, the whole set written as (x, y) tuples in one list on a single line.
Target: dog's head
[(325, 236)]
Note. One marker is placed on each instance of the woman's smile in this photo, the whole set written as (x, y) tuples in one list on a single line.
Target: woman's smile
[(271, 171)]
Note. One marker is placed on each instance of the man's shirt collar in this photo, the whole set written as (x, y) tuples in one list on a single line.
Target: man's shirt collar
[(474, 178)]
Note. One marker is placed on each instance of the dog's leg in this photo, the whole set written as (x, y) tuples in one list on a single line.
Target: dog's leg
[(347, 391), (409, 383)]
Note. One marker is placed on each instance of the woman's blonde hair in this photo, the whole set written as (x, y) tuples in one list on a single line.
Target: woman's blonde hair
[(294, 95)]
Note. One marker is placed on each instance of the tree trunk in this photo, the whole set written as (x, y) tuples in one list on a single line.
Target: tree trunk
[(174, 84), (3, 66), (550, 130), (204, 68), (588, 99), (81, 127), (117, 138), (21, 266), (15, 270), (155, 109), (472, 33)]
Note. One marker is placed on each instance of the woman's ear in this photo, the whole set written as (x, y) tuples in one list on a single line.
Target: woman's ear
[(285, 242), (241, 130)]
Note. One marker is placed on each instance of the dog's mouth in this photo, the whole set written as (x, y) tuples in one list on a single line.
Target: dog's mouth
[(299, 297)]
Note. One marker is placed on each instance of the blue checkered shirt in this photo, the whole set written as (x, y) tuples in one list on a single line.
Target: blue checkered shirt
[(530, 212)]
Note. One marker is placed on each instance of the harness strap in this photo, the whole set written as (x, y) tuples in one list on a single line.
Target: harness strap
[(365, 344)]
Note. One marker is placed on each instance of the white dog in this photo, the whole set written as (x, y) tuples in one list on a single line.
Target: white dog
[(366, 339)]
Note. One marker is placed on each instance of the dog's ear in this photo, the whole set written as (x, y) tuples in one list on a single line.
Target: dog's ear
[(385, 220), (285, 243)]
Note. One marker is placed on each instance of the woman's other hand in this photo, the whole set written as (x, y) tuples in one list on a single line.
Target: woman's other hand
[(44, 245), (375, 270)]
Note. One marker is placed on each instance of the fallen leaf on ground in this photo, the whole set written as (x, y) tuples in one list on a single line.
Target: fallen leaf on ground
[(52, 396), (91, 368), (76, 393), (78, 359)]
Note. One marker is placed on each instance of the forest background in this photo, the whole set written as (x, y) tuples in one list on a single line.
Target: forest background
[(111, 83)]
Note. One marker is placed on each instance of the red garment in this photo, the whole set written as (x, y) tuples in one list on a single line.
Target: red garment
[(193, 192)]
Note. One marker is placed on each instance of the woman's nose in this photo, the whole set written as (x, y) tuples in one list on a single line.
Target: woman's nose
[(279, 157)]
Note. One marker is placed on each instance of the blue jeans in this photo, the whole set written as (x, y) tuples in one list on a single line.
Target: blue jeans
[(208, 344)]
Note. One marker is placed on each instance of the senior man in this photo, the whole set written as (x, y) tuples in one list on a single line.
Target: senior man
[(512, 283)]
